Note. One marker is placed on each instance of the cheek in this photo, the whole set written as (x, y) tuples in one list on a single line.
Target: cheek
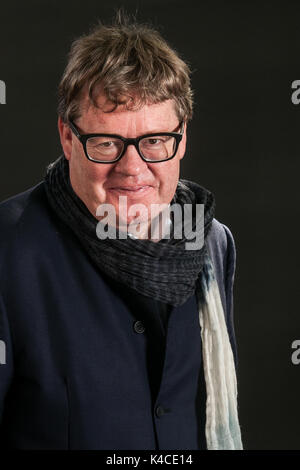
[(97, 174), (169, 177), (89, 176), (94, 174)]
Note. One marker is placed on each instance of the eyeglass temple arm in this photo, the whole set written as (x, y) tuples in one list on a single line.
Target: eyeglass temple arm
[(74, 129)]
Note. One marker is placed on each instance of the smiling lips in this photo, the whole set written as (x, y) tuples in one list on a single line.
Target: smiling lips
[(132, 189)]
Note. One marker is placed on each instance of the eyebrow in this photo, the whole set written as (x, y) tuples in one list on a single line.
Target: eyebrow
[(79, 134)]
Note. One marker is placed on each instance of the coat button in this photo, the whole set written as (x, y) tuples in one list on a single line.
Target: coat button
[(159, 411), (138, 326)]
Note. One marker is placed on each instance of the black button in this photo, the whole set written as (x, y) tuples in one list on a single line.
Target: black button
[(159, 411), (138, 326)]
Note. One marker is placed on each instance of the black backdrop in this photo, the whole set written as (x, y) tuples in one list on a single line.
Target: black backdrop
[(243, 145)]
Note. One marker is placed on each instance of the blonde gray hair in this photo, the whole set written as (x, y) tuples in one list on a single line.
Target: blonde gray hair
[(131, 63)]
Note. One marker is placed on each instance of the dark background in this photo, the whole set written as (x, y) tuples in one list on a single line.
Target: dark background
[(243, 145)]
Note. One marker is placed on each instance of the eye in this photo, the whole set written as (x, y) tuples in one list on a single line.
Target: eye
[(106, 144), (152, 141), (103, 143)]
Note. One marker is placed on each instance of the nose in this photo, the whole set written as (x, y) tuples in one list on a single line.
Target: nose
[(131, 164)]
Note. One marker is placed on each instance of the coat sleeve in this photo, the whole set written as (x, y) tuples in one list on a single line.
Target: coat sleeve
[(6, 358), (229, 276)]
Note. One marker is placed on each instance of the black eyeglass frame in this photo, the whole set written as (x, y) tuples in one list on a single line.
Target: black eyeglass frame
[(83, 138)]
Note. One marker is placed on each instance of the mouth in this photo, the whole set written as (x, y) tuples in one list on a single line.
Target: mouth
[(139, 189)]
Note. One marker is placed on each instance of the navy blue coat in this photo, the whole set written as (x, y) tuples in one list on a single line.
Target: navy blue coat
[(79, 354)]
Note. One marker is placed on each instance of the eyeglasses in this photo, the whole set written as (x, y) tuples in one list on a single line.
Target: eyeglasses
[(110, 148)]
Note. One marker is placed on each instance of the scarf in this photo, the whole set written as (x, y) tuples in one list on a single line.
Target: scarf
[(170, 273)]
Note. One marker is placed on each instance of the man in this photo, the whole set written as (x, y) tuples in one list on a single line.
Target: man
[(117, 342)]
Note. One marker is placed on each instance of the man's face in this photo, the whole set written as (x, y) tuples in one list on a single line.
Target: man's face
[(97, 183)]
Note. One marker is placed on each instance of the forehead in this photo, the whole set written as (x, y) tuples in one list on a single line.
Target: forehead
[(148, 117)]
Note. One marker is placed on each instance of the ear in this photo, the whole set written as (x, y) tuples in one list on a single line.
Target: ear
[(65, 135), (182, 145)]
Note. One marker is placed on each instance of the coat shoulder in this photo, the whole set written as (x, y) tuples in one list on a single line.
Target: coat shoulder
[(221, 247), (220, 242), (12, 208), (13, 211)]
